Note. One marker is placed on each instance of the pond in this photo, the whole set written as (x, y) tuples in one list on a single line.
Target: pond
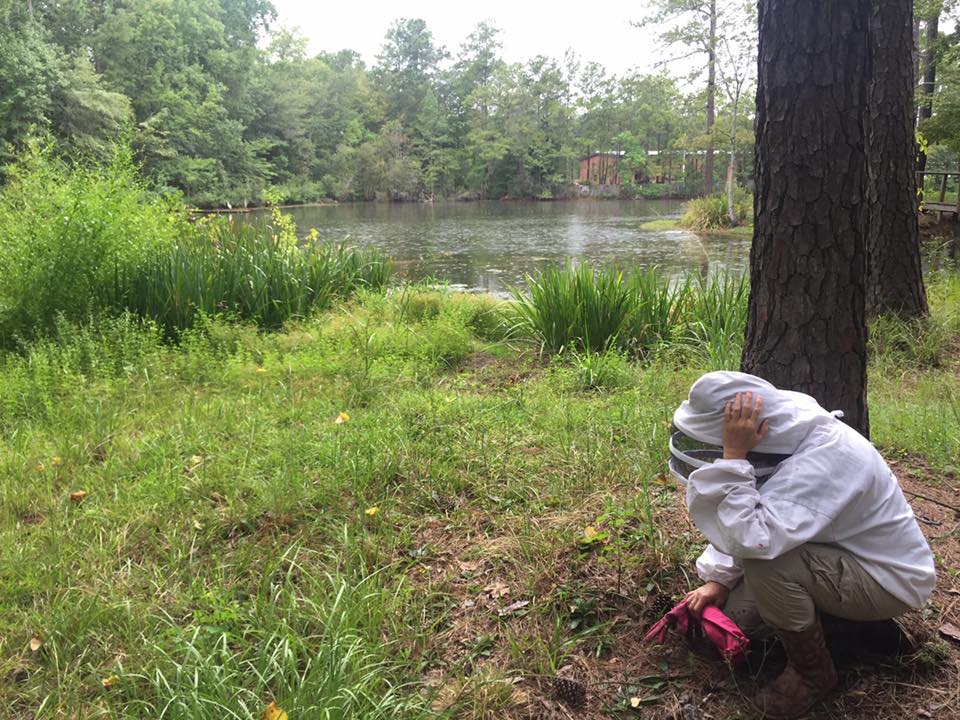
[(491, 246)]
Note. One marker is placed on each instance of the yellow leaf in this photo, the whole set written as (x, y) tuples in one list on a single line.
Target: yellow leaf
[(342, 418), (78, 496), (57, 460), (372, 511), (35, 643), (196, 459), (273, 712), (589, 532), (261, 370), (109, 682), (634, 702), (40, 467)]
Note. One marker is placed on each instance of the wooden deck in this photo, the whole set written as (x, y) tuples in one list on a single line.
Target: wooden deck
[(933, 204)]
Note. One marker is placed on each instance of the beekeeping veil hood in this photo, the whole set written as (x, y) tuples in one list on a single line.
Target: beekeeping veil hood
[(699, 419), (791, 414)]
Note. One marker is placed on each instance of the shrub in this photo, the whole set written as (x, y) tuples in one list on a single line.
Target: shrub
[(591, 312), (574, 308), (710, 213), (68, 234)]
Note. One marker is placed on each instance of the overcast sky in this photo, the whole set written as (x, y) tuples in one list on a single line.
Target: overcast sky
[(599, 32)]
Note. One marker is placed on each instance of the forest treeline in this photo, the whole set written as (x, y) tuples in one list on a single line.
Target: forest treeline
[(221, 105), (224, 106)]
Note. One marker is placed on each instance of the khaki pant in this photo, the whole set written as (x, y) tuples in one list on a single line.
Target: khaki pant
[(786, 593)]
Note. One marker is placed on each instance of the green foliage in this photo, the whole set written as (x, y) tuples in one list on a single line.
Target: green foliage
[(712, 213), (83, 242), (219, 480), (580, 309), (69, 234)]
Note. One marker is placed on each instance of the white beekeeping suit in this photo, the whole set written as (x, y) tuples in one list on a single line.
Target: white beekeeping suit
[(835, 488)]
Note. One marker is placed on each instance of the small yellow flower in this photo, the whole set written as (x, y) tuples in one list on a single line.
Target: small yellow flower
[(372, 511), (57, 460), (589, 532), (261, 370), (342, 418)]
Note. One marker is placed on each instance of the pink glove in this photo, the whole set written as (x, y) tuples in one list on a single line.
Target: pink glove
[(721, 631)]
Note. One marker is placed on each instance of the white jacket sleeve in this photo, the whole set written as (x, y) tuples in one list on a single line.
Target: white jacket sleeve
[(715, 566), (738, 520)]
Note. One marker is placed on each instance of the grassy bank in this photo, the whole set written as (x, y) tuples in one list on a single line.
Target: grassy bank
[(676, 224), (385, 511)]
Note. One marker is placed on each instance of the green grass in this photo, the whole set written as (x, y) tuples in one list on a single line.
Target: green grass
[(578, 308), (675, 224), (238, 546)]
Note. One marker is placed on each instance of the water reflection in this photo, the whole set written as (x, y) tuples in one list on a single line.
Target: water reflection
[(491, 246)]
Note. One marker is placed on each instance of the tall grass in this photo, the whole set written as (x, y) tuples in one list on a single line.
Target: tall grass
[(66, 235), (243, 272), (79, 243), (586, 310), (712, 212)]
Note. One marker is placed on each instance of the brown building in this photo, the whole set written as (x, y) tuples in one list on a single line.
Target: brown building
[(604, 169)]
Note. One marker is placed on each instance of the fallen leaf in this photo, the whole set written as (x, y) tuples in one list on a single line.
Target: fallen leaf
[(662, 479), (589, 532), (78, 496), (372, 511), (109, 682), (951, 631), (40, 467), (273, 712), (196, 460), (342, 418), (56, 460), (261, 370), (635, 702), (513, 607), (466, 566), (497, 590), (197, 525), (35, 643)]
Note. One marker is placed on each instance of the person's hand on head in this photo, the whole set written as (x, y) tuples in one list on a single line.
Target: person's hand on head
[(710, 593), (742, 427)]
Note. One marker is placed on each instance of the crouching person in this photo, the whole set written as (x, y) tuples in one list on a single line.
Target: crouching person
[(829, 531)]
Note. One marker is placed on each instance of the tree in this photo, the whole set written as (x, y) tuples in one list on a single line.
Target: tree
[(737, 52), (806, 326), (693, 24), (894, 274), (930, 11)]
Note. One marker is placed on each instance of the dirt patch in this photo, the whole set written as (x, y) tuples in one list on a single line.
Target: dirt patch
[(507, 608), (485, 372)]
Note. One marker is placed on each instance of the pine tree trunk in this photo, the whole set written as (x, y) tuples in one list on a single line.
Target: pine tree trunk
[(806, 328), (894, 275), (929, 77), (711, 98)]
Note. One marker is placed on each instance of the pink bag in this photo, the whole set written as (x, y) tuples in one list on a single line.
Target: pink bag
[(721, 630)]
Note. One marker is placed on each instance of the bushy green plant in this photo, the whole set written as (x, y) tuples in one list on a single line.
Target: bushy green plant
[(69, 233), (582, 310), (711, 212), (574, 307), (601, 370), (224, 268)]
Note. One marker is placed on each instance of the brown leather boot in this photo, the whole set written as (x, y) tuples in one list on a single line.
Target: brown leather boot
[(808, 678)]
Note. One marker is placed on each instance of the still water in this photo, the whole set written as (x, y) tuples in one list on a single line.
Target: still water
[(491, 246)]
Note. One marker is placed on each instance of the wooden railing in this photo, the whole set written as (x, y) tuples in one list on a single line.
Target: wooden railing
[(941, 204)]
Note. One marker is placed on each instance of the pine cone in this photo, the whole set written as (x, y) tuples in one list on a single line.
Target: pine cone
[(660, 605), (570, 692)]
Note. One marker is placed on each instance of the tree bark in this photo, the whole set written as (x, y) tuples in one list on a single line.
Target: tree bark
[(806, 328), (894, 274), (711, 98), (931, 33)]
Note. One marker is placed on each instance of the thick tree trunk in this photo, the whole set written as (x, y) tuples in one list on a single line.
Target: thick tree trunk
[(806, 328), (711, 98), (894, 275), (931, 34)]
